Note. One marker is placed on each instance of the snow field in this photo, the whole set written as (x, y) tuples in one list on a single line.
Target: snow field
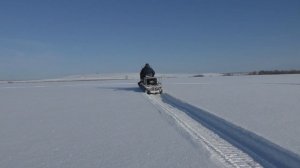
[(213, 121), (267, 106), (89, 124), (229, 155)]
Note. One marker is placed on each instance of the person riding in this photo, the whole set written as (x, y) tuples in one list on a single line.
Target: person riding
[(146, 71)]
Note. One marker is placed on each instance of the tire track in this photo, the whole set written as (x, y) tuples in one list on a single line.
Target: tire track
[(260, 149), (227, 154)]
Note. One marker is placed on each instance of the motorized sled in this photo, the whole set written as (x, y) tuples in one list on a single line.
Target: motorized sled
[(151, 85)]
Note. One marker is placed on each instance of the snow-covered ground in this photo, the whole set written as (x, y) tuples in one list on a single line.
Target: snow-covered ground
[(211, 121), (90, 124), (268, 105)]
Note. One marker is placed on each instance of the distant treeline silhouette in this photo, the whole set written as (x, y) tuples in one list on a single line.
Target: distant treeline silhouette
[(274, 72)]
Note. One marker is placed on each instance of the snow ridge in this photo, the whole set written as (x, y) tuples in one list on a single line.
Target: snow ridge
[(263, 151), (229, 155)]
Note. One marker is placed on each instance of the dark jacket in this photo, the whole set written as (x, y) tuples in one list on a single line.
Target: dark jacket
[(147, 71)]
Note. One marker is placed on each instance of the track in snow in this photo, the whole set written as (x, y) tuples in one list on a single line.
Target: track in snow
[(233, 145)]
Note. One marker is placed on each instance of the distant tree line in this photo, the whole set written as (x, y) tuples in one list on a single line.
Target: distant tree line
[(274, 72)]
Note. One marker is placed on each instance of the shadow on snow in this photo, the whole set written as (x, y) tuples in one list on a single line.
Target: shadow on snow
[(129, 89), (262, 150)]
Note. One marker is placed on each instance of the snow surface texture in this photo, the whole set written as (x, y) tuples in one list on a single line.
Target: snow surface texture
[(225, 152), (90, 124), (265, 105), (263, 151), (213, 121)]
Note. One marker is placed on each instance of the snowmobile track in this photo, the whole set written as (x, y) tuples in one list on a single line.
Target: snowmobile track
[(233, 145)]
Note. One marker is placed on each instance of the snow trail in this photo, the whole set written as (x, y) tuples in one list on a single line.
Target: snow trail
[(226, 153), (232, 143)]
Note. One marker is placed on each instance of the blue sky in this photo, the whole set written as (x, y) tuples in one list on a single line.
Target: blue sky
[(49, 38)]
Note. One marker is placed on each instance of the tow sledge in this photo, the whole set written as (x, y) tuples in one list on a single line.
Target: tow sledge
[(151, 85)]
